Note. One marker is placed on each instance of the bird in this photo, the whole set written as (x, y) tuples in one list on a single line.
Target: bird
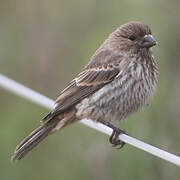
[(119, 79)]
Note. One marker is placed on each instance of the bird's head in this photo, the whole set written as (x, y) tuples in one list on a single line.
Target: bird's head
[(135, 35)]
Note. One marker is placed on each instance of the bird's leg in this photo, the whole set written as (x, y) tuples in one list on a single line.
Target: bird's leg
[(114, 138)]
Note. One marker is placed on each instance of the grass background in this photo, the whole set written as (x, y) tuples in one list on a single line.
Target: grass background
[(43, 45)]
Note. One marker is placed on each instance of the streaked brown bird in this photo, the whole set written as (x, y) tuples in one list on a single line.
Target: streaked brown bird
[(119, 79)]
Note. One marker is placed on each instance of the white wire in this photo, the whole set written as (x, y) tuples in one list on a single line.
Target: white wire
[(37, 98)]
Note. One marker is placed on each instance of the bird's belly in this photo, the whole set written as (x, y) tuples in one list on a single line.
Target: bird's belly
[(115, 101)]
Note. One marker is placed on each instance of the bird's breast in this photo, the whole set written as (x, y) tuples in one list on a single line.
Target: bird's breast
[(130, 91)]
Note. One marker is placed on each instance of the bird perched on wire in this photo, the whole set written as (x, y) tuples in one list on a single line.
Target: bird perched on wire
[(119, 79)]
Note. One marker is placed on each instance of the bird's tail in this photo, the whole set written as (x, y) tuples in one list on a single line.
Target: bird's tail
[(34, 139)]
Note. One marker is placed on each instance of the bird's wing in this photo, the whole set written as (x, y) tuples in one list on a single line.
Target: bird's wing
[(85, 84)]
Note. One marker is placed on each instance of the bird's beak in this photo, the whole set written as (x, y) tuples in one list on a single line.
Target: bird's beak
[(148, 41)]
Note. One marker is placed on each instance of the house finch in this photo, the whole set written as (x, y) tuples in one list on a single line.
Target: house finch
[(119, 79)]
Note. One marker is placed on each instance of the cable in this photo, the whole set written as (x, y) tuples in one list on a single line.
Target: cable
[(46, 102)]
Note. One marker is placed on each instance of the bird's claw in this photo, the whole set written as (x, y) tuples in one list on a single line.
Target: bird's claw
[(114, 138)]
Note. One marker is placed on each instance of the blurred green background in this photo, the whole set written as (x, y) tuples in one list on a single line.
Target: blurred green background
[(43, 45)]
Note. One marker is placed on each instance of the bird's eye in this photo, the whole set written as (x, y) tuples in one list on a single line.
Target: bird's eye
[(132, 38)]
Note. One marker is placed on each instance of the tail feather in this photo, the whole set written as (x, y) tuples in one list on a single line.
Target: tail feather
[(29, 137), (33, 140)]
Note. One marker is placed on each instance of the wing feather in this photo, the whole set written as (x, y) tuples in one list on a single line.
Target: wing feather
[(86, 83)]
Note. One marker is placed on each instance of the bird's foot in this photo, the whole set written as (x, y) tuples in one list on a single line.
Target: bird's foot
[(114, 138)]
